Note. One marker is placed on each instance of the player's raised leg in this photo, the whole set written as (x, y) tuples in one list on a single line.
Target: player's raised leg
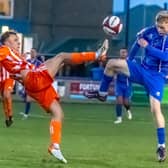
[(112, 66), (55, 63)]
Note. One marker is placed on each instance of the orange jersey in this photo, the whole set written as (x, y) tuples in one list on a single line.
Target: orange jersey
[(38, 85), (4, 74), (5, 81), (7, 84), (13, 61)]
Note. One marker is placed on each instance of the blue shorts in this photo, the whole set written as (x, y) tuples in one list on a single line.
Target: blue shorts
[(123, 90), (152, 81)]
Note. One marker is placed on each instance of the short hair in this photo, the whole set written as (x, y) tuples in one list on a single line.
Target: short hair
[(162, 16), (34, 48), (123, 47), (6, 35)]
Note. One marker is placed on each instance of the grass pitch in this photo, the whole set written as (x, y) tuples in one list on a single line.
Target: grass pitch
[(90, 139)]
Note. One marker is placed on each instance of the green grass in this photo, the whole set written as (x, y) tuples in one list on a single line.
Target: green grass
[(90, 139)]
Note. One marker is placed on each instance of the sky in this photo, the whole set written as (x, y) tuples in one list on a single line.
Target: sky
[(119, 4)]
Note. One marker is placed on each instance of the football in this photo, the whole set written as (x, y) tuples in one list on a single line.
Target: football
[(112, 25)]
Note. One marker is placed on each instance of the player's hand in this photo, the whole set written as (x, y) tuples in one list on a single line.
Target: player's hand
[(142, 42)]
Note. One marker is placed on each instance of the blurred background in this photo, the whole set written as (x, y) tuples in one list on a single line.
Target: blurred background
[(56, 25), (52, 26), (90, 139)]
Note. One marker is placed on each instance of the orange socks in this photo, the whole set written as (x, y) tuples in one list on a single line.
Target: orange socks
[(79, 58), (55, 131), (7, 106), (5, 109)]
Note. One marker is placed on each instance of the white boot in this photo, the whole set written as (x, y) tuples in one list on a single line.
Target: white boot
[(56, 152), (129, 114), (118, 121)]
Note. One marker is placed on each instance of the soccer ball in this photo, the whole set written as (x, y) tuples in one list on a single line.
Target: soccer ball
[(112, 25)]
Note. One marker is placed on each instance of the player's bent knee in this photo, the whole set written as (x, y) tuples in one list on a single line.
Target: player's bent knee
[(62, 54), (110, 65), (57, 116)]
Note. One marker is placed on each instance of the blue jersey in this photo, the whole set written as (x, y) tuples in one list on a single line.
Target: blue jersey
[(122, 79), (35, 62), (156, 53), (154, 67)]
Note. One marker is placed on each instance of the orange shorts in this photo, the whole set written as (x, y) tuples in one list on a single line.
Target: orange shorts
[(38, 85), (7, 84)]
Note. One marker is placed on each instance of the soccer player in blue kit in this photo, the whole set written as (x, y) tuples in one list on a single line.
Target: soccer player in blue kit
[(123, 91), (151, 73)]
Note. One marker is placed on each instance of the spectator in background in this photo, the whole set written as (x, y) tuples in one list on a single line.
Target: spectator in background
[(41, 58), (123, 91), (35, 58)]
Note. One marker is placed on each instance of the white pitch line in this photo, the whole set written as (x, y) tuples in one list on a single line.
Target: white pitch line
[(86, 119)]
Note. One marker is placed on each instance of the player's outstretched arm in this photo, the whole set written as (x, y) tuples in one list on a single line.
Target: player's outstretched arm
[(162, 55), (133, 51)]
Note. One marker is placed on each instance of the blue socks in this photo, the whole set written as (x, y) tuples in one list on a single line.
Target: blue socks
[(27, 107), (161, 135), (118, 110), (105, 82)]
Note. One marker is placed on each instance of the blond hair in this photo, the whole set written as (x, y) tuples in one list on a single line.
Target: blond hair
[(162, 16)]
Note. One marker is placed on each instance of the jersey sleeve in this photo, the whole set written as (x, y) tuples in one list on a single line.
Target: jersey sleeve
[(133, 51), (141, 33), (157, 53), (145, 32), (4, 52), (39, 62), (135, 47)]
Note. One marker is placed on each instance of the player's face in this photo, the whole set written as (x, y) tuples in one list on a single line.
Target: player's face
[(123, 53), (162, 27), (13, 42), (33, 53)]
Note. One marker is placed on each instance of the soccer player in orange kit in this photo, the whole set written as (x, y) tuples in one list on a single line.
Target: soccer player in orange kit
[(38, 81), (6, 88)]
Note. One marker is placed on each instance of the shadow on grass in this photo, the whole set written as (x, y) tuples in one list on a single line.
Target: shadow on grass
[(75, 163), (89, 162)]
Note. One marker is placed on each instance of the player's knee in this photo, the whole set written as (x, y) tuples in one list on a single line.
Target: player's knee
[(6, 94), (109, 66), (57, 116), (154, 110), (61, 54)]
